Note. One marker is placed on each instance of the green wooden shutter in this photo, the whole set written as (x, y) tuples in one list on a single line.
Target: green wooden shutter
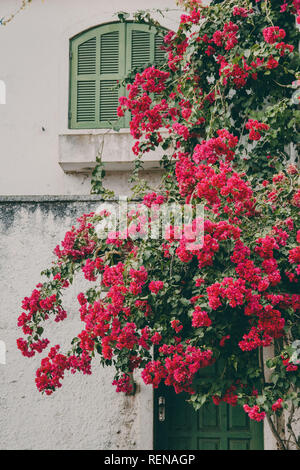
[(140, 46), (97, 65), (159, 53), (143, 46), (112, 70), (83, 89)]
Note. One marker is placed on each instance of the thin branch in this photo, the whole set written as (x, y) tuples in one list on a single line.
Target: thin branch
[(271, 424), (24, 4), (276, 434)]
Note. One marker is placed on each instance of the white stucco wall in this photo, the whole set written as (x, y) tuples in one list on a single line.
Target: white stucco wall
[(34, 65), (86, 413)]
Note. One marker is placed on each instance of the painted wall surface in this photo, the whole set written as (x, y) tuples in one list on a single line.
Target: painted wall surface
[(34, 50), (86, 413)]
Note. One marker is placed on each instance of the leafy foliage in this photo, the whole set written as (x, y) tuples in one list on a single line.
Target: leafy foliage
[(222, 109)]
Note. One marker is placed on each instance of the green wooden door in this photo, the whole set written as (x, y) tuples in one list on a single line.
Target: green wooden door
[(213, 427)]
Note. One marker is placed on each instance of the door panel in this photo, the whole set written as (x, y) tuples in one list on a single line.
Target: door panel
[(208, 444)]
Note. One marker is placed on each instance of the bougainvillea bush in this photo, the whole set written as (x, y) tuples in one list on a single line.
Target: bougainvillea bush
[(226, 101)]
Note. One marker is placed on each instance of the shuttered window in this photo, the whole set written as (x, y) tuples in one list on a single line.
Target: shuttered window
[(99, 59)]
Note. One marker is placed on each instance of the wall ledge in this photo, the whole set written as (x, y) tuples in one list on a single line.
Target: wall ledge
[(57, 198), (49, 198), (78, 151)]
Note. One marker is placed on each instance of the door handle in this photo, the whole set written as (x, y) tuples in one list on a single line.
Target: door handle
[(161, 409)]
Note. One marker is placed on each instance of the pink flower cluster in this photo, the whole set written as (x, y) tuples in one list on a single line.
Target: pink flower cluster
[(240, 11), (255, 126), (53, 367), (227, 37), (254, 412), (273, 34), (200, 318), (212, 150), (178, 368), (80, 237), (124, 384), (277, 405), (156, 286)]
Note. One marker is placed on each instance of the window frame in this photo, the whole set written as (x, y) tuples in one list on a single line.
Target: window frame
[(125, 55)]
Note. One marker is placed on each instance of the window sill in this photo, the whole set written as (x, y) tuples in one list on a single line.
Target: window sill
[(78, 150), (67, 131)]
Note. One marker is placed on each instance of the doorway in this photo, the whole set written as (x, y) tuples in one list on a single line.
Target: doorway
[(177, 426)]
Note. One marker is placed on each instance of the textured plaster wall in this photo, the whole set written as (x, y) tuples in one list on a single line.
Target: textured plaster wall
[(86, 413)]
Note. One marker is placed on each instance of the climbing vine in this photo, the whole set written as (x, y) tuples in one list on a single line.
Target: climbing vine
[(5, 20), (222, 108)]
